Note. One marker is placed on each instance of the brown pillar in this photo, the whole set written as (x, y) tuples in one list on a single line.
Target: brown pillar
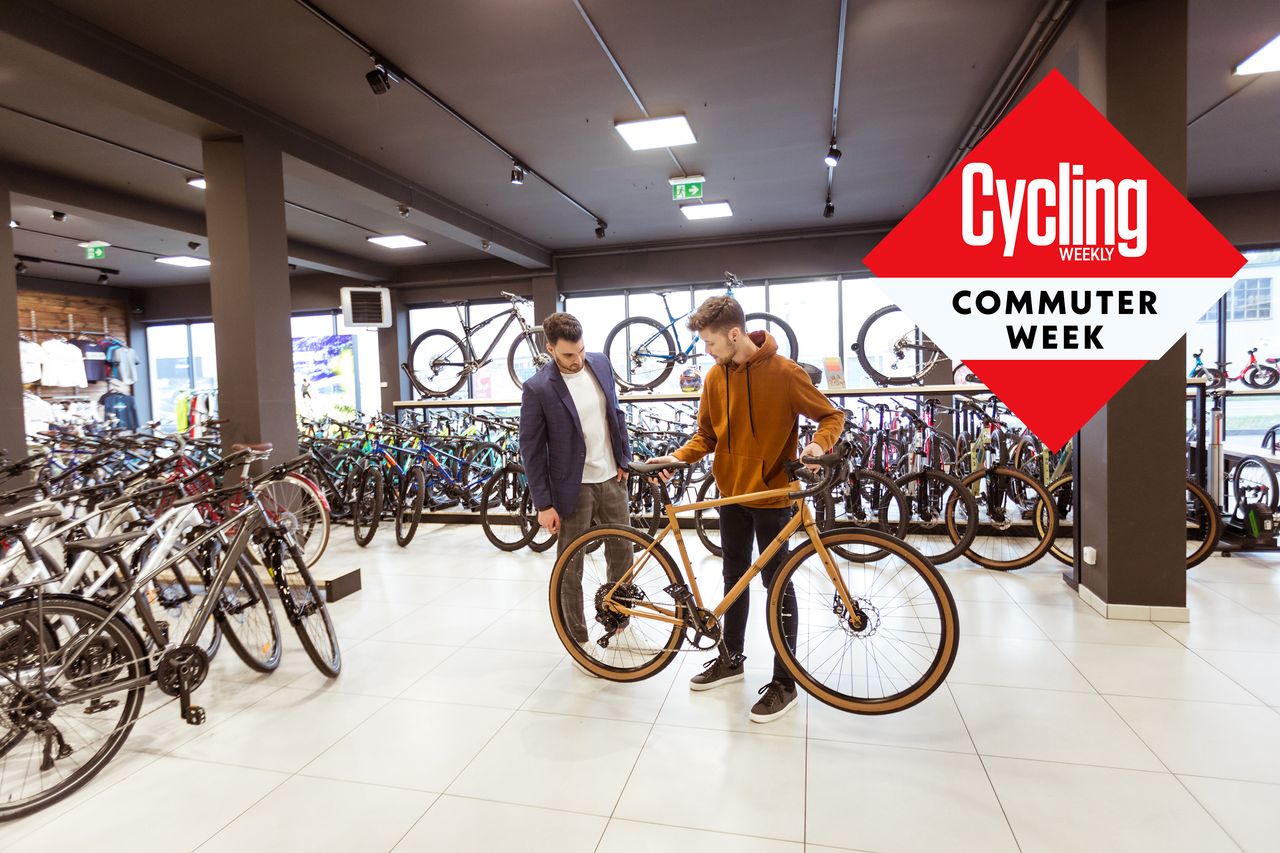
[(546, 297), (393, 349), (13, 431), (1131, 453), (249, 286)]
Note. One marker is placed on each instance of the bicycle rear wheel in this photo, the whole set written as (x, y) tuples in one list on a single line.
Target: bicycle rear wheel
[(51, 741), (892, 349), (641, 352), (896, 646), (437, 363), (297, 503), (927, 493), (619, 632)]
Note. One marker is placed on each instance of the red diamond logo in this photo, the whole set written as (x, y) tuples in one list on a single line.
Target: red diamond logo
[(1054, 261)]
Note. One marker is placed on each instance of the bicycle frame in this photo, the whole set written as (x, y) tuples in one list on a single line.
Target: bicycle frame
[(803, 518), (229, 561)]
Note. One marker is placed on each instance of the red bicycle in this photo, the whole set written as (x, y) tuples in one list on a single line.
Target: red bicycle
[(1255, 374)]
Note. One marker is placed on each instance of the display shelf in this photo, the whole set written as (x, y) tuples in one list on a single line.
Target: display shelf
[(835, 393)]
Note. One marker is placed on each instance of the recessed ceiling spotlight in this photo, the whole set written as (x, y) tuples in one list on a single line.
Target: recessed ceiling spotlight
[(829, 211), (198, 182), (656, 132), (20, 268), (1266, 59), (102, 279), (600, 229), (58, 216), (833, 156), (517, 174), (193, 245), (183, 261), (396, 241), (13, 223), (714, 210), (404, 210)]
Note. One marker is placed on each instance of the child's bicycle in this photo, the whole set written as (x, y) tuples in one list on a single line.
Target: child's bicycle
[(860, 619)]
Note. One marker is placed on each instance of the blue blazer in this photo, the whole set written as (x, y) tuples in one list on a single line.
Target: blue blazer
[(551, 441)]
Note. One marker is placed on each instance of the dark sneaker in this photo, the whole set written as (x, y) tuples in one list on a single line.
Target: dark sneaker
[(715, 674), (776, 699)]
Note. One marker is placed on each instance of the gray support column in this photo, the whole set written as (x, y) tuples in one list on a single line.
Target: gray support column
[(13, 431), (249, 286), (1131, 453), (393, 349), (546, 297)]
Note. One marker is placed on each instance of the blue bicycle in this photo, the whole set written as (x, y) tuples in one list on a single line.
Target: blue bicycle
[(642, 351)]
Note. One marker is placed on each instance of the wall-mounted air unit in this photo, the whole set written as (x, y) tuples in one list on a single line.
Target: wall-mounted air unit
[(368, 307)]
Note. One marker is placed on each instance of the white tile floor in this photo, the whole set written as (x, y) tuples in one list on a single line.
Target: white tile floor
[(458, 724)]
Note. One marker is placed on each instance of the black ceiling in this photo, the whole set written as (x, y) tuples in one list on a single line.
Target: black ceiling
[(754, 78)]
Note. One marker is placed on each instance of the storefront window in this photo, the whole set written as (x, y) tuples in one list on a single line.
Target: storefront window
[(809, 308), (860, 297), (1251, 322)]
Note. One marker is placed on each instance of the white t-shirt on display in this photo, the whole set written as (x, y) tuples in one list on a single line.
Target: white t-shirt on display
[(588, 399), (31, 359)]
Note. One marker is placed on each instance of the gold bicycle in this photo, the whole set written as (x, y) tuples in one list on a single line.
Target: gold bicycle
[(875, 628)]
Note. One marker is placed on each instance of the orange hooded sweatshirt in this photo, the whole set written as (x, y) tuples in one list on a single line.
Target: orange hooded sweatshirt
[(748, 418)]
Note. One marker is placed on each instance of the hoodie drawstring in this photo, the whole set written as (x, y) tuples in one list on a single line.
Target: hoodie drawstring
[(728, 435), (751, 415)]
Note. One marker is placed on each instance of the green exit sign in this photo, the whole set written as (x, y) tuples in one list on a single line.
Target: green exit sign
[(685, 188), (95, 253)]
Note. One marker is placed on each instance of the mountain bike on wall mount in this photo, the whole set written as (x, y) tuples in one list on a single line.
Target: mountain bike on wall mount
[(642, 350), (440, 362)]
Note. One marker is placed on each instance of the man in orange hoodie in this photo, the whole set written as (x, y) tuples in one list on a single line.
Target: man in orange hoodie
[(748, 417)]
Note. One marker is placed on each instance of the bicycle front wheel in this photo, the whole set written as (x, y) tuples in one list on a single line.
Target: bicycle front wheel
[(367, 511), (57, 735), (1009, 503), (248, 620), (870, 636), (641, 352), (304, 604), (526, 357), (296, 502), (438, 363), (506, 510), (409, 512), (610, 605)]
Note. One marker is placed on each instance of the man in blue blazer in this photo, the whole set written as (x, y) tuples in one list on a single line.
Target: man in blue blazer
[(574, 444)]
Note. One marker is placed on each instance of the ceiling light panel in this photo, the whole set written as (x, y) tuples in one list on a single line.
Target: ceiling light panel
[(714, 210), (183, 261), (396, 241), (197, 182), (656, 133), (1265, 60)]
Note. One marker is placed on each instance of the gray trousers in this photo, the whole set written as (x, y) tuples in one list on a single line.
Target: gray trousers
[(598, 503)]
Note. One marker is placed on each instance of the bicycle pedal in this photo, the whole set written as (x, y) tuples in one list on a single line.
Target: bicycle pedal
[(195, 715), (97, 706)]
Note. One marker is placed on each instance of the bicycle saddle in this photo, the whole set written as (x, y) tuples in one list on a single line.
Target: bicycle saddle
[(104, 544), (651, 468), (22, 517), (264, 447)]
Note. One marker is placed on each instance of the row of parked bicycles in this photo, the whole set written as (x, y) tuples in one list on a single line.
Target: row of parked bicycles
[(127, 563)]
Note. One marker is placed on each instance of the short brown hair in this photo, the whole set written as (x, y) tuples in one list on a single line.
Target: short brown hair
[(719, 314), (562, 327)]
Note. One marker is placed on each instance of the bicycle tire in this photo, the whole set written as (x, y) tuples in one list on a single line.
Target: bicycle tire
[(1265, 479), (1205, 522), (622, 359), (297, 502), (409, 512), (368, 505), (709, 537), (860, 349), (864, 581), (260, 651), (593, 544), (540, 545), (507, 493), (788, 338), (925, 492), (305, 608), (879, 505), (1057, 498), (974, 551), (118, 635), (432, 370), (1262, 377), (536, 341), (480, 461)]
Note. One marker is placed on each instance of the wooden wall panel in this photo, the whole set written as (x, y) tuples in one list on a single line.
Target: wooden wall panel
[(86, 312)]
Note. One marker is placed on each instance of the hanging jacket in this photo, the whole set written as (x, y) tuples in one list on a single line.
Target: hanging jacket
[(748, 417)]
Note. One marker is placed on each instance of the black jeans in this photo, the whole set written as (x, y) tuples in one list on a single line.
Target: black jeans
[(738, 524)]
